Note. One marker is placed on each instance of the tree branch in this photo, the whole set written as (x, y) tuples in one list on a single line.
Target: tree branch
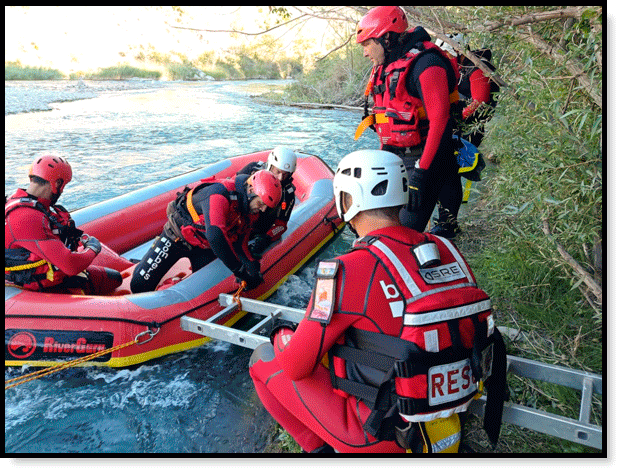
[(240, 32), (336, 48), (560, 56), (477, 62), (592, 285), (573, 12)]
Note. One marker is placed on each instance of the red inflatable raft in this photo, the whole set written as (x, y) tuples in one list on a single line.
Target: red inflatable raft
[(42, 329)]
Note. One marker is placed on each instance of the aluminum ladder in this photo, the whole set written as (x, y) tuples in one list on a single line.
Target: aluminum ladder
[(578, 430)]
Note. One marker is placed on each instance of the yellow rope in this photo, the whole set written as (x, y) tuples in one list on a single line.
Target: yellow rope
[(32, 265)]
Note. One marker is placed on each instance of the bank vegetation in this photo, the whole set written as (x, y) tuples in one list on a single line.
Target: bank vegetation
[(534, 237)]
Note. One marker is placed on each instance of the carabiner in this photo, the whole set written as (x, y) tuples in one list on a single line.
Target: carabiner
[(149, 332)]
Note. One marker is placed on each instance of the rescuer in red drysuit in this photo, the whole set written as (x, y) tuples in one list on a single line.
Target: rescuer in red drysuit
[(359, 292), (477, 92), (212, 220), (414, 87), (477, 95), (42, 247), (272, 223)]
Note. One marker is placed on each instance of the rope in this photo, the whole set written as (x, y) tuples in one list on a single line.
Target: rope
[(55, 368), (236, 296)]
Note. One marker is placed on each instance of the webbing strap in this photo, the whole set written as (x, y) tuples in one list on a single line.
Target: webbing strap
[(190, 207), (368, 121)]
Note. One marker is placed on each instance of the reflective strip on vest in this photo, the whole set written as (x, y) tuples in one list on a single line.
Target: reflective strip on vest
[(460, 260), (436, 415), (405, 275), (445, 443), (447, 314)]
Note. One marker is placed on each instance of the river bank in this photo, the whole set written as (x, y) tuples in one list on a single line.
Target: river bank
[(31, 96)]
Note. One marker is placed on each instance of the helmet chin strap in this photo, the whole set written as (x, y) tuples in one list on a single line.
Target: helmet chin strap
[(357, 236)]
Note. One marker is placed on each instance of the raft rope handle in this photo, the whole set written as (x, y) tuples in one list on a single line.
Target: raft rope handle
[(68, 364)]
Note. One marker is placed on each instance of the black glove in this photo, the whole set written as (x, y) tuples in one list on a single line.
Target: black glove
[(278, 325), (249, 272), (91, 243), (416, 189), (258, 244), (72, 235)]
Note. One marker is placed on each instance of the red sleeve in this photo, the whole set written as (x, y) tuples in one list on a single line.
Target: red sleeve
[(479, 86), (31, 230), (298, 353), (435, 94), (216, 210)]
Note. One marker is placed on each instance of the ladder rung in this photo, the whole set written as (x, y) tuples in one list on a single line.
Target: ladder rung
[(261, 324), (586, 400)]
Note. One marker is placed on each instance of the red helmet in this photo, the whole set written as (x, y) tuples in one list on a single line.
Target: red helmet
[(52, 168), (379, 21), (267, 187)]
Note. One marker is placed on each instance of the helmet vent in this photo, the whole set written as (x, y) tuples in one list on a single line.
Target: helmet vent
[(380, 188)]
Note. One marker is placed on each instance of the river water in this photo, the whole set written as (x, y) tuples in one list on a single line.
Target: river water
[(120, 137)]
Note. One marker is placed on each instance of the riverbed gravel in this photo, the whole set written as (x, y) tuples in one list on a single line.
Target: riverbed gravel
[(30, 96)]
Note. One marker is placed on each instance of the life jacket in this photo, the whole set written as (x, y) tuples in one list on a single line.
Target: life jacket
[(447, 350), (399, 118), (25, 268), (192, 225)]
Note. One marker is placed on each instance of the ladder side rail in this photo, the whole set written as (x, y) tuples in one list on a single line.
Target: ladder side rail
[(546, 423), (264, 308), (579, 431), (221, 332), (550, 373)]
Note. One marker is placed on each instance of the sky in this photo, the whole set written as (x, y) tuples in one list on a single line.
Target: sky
[(86, 37)]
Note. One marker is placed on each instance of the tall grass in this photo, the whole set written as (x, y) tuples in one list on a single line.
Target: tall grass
[(121, 71), (14, 70)]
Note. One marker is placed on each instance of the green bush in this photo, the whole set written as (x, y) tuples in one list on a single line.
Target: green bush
[(122, 71), (338, 79), (14, 71)]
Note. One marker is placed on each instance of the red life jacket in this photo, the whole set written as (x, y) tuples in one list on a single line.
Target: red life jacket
[(25, 268), (443, 355), (400, 119), (192, 225)]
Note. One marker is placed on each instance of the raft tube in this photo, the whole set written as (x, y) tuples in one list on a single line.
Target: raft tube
[(42, 329)]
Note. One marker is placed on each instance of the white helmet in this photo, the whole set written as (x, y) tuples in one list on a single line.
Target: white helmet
[(444, 46), (373, 178), (282, 158)]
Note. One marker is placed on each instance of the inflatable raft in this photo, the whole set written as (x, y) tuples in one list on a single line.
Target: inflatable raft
[(42, 329)]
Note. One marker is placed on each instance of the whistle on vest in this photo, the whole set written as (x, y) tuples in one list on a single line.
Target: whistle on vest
[(427, 254)]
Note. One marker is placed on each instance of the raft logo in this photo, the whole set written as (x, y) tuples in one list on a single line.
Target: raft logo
[(22, 345), (50, 345), (55, 344)]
